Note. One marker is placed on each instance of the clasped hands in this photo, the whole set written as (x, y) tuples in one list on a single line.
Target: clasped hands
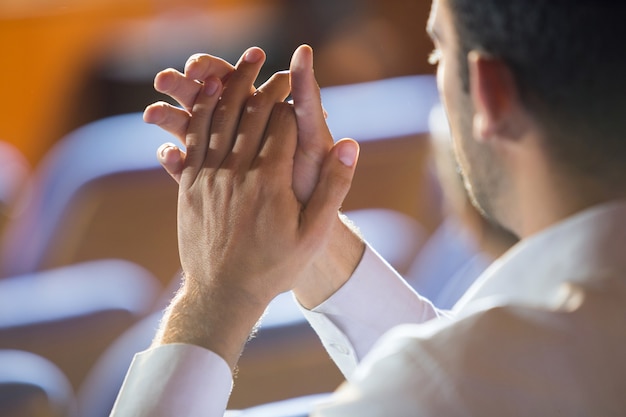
[(260, 186)]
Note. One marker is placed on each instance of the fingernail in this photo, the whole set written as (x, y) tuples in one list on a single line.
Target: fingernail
[(163, 81), (191, 60), (210, 87), (253, 55), (347, 153), (163, 149), (298, 60)]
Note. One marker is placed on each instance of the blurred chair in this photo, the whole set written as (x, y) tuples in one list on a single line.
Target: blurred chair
[(99, 193), (70, 315), (14, 172), (32, 386), (97, 393)]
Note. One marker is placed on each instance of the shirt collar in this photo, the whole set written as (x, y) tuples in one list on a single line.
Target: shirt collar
[(582, 249)]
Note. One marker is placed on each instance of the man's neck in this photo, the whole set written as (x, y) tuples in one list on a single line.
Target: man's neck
[(545, 199)]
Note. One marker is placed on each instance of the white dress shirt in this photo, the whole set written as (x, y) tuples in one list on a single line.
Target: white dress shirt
[(541, 333), (447, 264)]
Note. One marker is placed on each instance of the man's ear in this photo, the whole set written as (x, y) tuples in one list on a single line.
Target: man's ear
[(495, 97)]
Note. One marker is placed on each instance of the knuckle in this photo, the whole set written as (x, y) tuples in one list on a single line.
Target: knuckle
[(196, 61), (256, 103), (199, 109), (221, 115)]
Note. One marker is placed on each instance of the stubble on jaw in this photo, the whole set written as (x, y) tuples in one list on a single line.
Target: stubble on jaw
[(481, 171)]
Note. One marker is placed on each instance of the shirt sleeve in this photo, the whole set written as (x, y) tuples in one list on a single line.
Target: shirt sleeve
[(175, 380), (374, 300), (403, 375)]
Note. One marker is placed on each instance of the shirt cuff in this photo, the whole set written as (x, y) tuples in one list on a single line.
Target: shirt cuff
[(175, 380), (374, 300)]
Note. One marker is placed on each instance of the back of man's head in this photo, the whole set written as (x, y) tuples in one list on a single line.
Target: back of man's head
[(569, 62)]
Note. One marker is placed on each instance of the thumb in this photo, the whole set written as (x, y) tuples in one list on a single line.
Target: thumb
[(307, 99), (172, 158), (333, 186)]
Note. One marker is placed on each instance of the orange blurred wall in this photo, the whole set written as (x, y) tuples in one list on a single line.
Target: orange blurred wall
[(46, 49)]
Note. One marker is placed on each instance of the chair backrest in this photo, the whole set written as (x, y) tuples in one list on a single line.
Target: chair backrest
[(33, 386), (97, 393), (99, 193), (389, 119), (71, 314)]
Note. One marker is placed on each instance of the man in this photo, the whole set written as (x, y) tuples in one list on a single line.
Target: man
[(533, 90)]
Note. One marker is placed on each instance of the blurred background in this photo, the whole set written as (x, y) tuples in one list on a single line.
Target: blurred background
[(67, 62), (88, 254)]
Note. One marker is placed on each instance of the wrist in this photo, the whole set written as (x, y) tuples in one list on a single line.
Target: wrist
[(218, 319), (333, 267)]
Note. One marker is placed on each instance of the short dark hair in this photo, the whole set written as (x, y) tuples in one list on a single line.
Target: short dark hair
[(568, 58)]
